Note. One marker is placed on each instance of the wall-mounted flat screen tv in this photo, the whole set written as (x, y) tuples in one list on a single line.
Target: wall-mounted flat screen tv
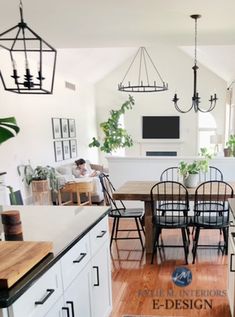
[(161, 127)]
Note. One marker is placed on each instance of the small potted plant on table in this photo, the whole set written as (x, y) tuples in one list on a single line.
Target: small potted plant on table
[(190, 171)]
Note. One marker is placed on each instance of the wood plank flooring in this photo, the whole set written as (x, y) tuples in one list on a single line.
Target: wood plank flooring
[(140, 288)]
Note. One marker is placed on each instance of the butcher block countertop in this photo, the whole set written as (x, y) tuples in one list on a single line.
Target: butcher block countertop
[(53, 230)]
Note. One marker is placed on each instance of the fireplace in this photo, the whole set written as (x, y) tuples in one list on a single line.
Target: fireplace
[(161, 153)]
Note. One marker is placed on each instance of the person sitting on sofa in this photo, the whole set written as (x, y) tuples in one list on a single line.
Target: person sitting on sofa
[(84, 170)]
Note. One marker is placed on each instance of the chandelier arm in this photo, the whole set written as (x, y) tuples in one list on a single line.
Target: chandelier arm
[(159, 75), (130, 65), (211, 107), (140, 65), (13, 43), (146, 71), (182, 111)]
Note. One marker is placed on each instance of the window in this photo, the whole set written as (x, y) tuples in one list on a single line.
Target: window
[(207, 132)]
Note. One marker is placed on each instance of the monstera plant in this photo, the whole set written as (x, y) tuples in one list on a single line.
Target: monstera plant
[(8, 128), (114, 136)]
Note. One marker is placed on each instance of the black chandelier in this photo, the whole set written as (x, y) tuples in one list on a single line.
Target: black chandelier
[(195, 98), (31, 67), (148, 78)]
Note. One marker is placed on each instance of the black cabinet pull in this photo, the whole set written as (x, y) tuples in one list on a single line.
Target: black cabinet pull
[(231, 262), (72, 307), (103, 232), (97, 275), (49, 293), (79, 259), (67, 311)]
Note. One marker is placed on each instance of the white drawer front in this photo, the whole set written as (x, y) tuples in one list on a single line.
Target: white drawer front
[(99, 234), (38, 299), (75, 260)]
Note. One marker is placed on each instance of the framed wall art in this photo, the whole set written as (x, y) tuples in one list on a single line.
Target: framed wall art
[(73, 148), (72, 128), (58, 149), (66, 150), (64, 128), (56, 128)]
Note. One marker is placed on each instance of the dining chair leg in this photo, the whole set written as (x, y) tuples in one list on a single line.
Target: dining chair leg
[(195, 243), (155, 242), (117, 227), (185, 243), (112, 233), (141, 224), (225, 235), (139, 233)]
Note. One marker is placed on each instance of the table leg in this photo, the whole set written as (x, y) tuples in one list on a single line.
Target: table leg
[(148, 227)]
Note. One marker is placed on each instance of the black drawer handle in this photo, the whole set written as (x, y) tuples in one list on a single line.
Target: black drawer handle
[(72, 307), (231, 223), (231, 262), (67, 311), (79, 259), (97, 276), (49, 293), (103, 232)]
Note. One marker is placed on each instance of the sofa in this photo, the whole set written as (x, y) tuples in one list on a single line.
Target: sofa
[(66, 173)]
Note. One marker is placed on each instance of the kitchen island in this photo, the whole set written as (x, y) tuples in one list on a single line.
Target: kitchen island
[(74, 280)]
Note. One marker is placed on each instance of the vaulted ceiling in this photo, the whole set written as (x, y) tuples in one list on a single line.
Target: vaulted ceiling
[(122, 26)]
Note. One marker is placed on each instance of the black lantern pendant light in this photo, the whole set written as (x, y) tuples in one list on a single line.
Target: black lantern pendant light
[(27, 63), (196, 98), (143, 75)]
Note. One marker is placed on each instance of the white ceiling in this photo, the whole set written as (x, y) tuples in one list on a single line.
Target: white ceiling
[(128, 24)]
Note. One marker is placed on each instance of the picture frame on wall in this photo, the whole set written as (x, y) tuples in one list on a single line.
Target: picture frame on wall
[(72, 128), (56, 128), (58, 150), (73, 148), (66, 150), (64, 128)]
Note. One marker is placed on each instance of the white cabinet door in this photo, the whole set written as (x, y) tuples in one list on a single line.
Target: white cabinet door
[(56, 310), (77, 296), (101, 283), (231, 274)]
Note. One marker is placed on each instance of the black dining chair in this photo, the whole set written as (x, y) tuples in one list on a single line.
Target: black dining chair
[(119, 211), (211, 211), (170, 174), (170, 206), (213, 174)]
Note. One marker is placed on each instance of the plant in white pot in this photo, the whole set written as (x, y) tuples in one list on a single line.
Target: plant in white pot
[(190, 171)]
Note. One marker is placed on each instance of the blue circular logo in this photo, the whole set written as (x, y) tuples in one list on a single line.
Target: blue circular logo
[(182, 276)]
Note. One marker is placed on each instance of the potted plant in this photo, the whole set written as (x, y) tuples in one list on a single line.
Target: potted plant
[(190, 171), (231, 145), (42, 179), (114, 136)]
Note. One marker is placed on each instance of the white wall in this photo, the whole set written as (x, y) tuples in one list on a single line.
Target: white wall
[(176, 68), (33, 114)]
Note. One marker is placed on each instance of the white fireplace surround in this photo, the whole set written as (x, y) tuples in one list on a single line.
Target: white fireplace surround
[(169, 145)]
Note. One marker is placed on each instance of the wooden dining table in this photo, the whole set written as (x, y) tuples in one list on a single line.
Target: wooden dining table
[(140, 191)]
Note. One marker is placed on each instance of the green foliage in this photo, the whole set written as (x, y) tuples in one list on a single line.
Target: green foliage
[(114, 136), (231, 144), (8, 128), (29, 174), (197, 165)]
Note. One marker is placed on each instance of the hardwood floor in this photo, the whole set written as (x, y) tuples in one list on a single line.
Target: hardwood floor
[(140, 288)]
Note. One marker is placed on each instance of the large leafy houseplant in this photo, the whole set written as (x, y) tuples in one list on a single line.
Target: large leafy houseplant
[(115, 136), (8, 128)]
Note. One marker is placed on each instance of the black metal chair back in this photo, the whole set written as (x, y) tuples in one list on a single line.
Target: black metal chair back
[(170, 206), (171, 174), (211, 211), (212, 174), (108, 189)]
